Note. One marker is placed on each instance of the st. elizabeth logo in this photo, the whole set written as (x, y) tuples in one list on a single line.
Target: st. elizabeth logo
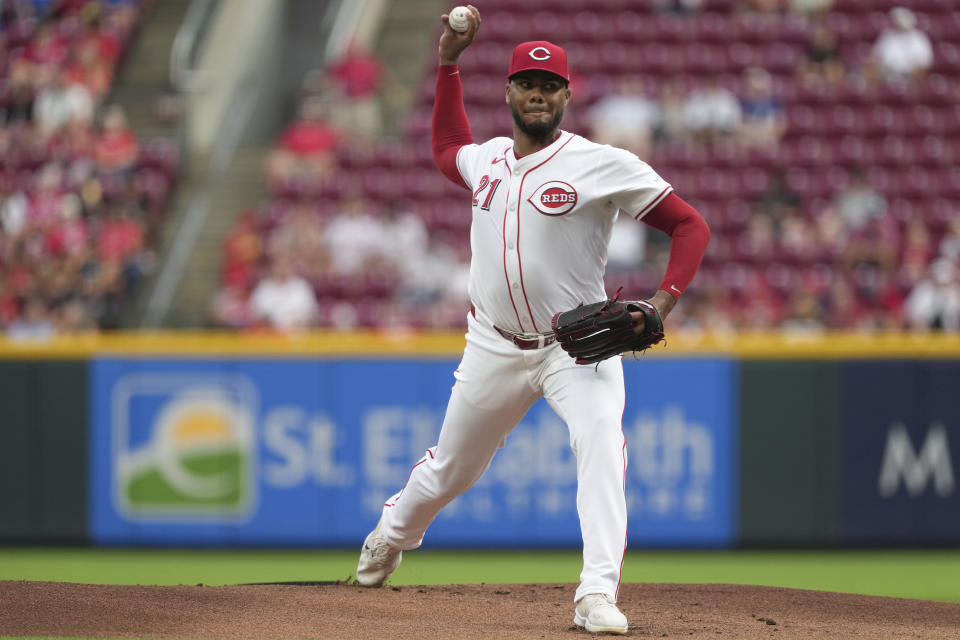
[(184, 448)]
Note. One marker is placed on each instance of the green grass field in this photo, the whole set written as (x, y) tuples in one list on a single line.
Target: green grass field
[(928, 575)]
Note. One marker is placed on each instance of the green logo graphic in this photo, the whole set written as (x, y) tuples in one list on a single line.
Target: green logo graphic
[(196, 463)]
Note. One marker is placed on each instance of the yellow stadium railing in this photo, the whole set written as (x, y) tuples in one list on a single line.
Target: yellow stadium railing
[(396, 344)]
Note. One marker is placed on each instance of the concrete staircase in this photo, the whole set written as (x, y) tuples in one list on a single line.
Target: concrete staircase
[(406, 42), (141, 85), (145, 76), (240, 189)]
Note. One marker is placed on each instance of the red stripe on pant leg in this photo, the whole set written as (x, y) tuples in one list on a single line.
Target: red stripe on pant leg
[(624, 556), (623, 454), (422, 460)]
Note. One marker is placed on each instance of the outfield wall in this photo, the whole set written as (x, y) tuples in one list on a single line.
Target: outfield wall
[(265, 440)]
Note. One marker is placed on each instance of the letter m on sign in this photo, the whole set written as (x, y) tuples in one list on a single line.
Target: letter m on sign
[(901, 462)]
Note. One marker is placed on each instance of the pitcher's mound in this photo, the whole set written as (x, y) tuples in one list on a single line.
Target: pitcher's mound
[(460, 612)]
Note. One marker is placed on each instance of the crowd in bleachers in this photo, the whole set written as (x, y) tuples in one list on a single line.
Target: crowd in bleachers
[(80, 195), (819, 138)]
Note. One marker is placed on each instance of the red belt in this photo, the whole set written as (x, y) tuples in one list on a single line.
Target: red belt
[(523, 343)]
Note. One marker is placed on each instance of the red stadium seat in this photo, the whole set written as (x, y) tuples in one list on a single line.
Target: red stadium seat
[(935, 150), (803, 120), (896, 151), (844, 120), (632, 27), (589, 27), (710, 27)]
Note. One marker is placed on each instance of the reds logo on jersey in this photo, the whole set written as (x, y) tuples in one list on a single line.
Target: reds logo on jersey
[(554, 198)]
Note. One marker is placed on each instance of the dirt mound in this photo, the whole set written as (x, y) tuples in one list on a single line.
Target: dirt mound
[(461, 612)]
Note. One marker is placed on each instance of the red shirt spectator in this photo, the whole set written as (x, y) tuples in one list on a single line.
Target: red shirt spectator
[(91, 69), (46, 203), (119, 237), (117, 147), (357, 73), (242, 251), (70, 234), (46, 48), (8, 306), (308, 137)]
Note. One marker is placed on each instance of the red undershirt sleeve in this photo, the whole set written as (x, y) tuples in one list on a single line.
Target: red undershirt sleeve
[(451, 129), (689, 235)]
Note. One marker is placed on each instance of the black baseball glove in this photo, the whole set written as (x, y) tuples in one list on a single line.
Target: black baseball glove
[(594, 332)]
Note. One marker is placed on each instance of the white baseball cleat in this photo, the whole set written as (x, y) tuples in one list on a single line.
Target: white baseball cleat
[(598, 613), (378, 559)]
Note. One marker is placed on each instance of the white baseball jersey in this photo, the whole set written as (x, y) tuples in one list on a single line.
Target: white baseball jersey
[(539, 237), (542, 223)]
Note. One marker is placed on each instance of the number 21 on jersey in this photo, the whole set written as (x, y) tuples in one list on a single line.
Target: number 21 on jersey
[(484, 184)]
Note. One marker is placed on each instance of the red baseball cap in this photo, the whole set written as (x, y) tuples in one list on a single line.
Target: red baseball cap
[(542, 55)]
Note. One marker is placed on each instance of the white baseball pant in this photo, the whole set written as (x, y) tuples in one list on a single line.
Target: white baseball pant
[(496, 383)]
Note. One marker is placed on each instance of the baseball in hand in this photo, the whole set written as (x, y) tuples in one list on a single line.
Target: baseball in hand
[(459, 19)]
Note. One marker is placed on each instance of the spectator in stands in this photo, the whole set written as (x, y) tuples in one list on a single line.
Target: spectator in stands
[(874, 247), (761, 6), (832, 233), (9, 307), (625, 118), (934, 304), (903, 52), (778, 200), (355, 237), (283, 300), (69, 234), (426, 276), (46, 199), (61, 102), (711, 111), (300, 237), (804, 313), (844, 310), (822, 62), (119, 242), (13, 208), (230, 308), (763, 121), (628, 244), (116, 146), (679, 7), (859, 203), (73, 315), (242, 251), (758, 242), (672, 125), (74, 144), (950, 242), (810, 7), (47, 48), (709, 312), (90, 68), (306, 149), (916, 250), (104, 287), (402, 227), (19, 103), (34, 323), (797, 237), (356, 79)]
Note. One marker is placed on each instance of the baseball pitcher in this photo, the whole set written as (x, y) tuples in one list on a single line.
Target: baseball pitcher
[(540, 324)]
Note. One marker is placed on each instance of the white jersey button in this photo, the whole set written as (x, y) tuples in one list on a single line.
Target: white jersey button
[(513, 207), (510, 245), (516, 285)]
